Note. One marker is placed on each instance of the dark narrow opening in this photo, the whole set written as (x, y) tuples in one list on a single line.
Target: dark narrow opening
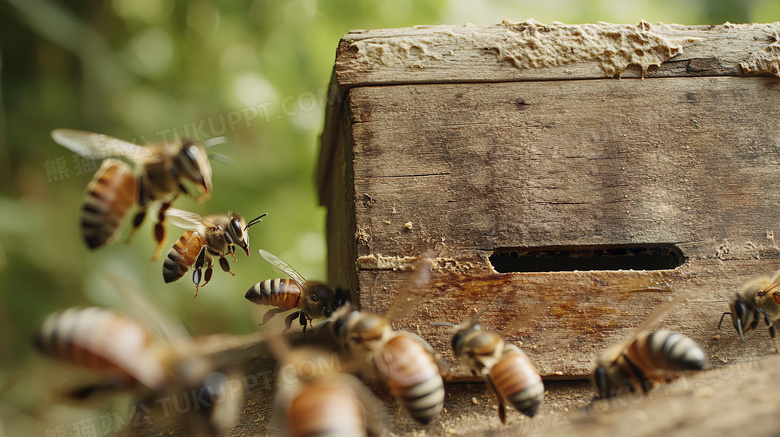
[(571, 258)]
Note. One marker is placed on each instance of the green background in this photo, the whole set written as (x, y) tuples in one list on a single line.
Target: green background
[(142, 69)]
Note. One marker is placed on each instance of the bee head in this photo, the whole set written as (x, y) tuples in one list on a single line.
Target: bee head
[(460, 331), (194, 165)]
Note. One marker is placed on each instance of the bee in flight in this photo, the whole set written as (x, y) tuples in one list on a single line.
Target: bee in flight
[(645, 358), (130, 357), (506, 369), (213, 235), (313, 299), (159, 173), (403, 361), (758, 299), (324, 403)]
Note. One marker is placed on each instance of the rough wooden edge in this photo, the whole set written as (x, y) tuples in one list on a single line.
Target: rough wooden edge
[(501, 53)]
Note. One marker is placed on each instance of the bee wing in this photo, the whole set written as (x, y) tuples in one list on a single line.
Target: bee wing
[(185, 219), (412, 290), (286, 268), (97, 145), (164, 328), (653, 318)]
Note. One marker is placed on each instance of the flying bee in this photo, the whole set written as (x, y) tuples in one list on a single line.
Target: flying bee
[(160, 171), (129, 357), (759, 298), (315, 299), (322, 403), (506, 369), (213, 235), (403, 361), (646, 357)]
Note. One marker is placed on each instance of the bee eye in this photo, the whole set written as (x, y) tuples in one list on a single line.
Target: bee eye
[(327, 312), (235, 226)]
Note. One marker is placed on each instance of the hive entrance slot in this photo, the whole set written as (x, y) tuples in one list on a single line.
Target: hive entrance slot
[(571, 258)]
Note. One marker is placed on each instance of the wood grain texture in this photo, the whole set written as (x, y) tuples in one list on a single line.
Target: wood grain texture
[(464, 169), (511, 52)]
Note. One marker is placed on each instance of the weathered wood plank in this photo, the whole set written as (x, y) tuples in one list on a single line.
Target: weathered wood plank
[(534, 51), (464, 169)]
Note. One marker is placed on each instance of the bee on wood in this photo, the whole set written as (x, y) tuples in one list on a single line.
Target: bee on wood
[(313, 299), (646, 358), (506, 369), (323, 403), (213, 235), (130, 357), (158, 176), (403, 361), (758, 299)]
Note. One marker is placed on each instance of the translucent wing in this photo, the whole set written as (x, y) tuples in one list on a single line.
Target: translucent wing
[(97, 145), (164, 328), (286, 268), (185, 219), (654, 318), (412, 291)]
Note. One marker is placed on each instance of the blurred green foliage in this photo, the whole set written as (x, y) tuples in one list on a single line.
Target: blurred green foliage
[(254, 71)]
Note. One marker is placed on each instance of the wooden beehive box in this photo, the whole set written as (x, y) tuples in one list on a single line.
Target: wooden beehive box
[(568, 179)]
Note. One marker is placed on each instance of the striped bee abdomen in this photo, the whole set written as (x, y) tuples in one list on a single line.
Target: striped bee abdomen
[(412, 376), (182, 255), (516, 380), (99, 339), (110, 194), (281, 293), (323, 408), (661, 352)]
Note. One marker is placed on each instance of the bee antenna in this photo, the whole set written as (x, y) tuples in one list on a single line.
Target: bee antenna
[(218, 157), (214, 141), (255, 220)]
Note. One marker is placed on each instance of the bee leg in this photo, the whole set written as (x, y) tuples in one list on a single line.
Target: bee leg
[(501, 404), (771, 326), (159, 229), (223, 262), (303, 321), (197, 273), (137, 220), (231, 248), (289, 319), (209, 271), (143, 202), (272, 312)]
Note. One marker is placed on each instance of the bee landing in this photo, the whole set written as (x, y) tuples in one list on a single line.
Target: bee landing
[(651, 357), (758, 300), (506, 369), (313, 299)]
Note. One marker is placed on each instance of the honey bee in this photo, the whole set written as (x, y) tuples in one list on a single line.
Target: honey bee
[(158, 177), (759, 298), (325, 403), (646, 358), (403, 361), (213, 235), (125, 351), (506, 369), (316, 301)]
